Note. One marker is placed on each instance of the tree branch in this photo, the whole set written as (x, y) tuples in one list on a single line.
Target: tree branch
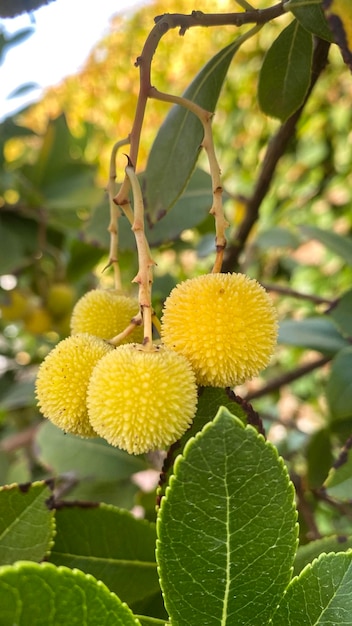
[(289, 377), (164, 23), (275, 151)]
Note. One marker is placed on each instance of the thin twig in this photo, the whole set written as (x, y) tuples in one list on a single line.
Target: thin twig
[(275, 151), (205, 117), (144, 277), (287, 291), (304, 507), (289, 377), (164, 23), (115, 214)]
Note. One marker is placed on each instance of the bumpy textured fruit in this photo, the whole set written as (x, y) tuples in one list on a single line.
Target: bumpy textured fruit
[(105, 313), (62, 381), (141, 401), (225, 324)]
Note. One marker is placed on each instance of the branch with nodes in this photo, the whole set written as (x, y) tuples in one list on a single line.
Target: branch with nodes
[(205, 117), (163, 24), (144, 277), (115, 214)]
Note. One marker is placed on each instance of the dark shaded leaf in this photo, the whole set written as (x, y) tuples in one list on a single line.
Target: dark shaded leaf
[(285, 74)]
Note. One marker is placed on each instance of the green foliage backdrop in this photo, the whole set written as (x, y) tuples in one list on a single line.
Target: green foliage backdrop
[(258, 459)]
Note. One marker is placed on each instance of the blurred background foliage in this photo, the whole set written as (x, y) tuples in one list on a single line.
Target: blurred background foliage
[(54, 247)]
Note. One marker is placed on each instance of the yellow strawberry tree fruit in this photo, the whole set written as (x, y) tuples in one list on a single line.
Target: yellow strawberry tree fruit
[(142, 401), (105, 314), (14, 305), (62, 382), (60, 299), (38, 321), (225, 324)]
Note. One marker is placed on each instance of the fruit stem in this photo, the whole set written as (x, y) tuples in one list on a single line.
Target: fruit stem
[(115, 214), (144, 277), (216, 210), (135, 321)]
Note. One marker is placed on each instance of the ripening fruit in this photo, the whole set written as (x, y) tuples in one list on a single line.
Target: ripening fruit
[(60, 299), (14, 305), (38, 321), (141, 401), (62, 381), (105, 313), (225, 324)]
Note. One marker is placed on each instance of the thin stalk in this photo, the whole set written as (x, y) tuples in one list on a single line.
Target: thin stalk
[(144, 277), (205, 117)]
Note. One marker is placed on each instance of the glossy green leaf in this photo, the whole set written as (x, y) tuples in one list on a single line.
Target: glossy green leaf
[(306, 553), (209, 400), (26, 522), (175, 150), (342, 313), (285, 74), (339, 387), (339, 244), (110, 544), (321, 594), (316, 333), (45, 595), (226, 528), (310, 14)]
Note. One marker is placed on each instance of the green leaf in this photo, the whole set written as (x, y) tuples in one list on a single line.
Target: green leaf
[(285, 74), (321, 594), (209, 400), (306, 554), (26, 523), (277, 237), (73, 189), (191, 209), (315, 333), (175, 150), (19, 395), (94, 470), (85, 457), (19, 242), (339, 387), (339, 16), (319, 457), (45, 595), (342, 313), (226, 528), (110, 544), (310, 15), (339, 244)]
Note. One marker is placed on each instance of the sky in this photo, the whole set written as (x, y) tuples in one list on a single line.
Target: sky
[(65, 31)]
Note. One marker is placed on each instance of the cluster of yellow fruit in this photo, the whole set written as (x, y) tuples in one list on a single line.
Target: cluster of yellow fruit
[(39, 315), (217, 330)]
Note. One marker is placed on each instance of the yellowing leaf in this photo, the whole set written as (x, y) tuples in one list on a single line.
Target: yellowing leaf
[(339, 16)]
